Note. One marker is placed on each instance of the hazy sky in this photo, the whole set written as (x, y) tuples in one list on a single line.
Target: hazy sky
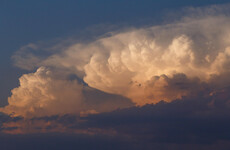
[(106, 74)]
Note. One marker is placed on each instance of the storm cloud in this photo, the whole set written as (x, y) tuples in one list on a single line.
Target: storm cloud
[(201, 122), (49, 92), (146, 65)]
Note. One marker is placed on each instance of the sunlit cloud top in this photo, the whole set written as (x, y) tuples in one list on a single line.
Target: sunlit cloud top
[(146, 65)]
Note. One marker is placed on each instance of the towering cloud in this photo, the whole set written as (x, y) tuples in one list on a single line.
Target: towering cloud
[(151, 64), (47, 92), (147, 65)]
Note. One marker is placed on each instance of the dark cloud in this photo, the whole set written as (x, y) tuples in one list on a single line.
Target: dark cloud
[(61, 141), (199, 122), (178, 122)]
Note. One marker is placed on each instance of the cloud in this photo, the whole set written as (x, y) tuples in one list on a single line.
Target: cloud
[(200, 122), (48, 92), (126, 63), (47, 141), (147, 65), (76, 91)]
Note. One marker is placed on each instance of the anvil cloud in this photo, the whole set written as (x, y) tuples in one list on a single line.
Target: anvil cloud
[(146, 65)]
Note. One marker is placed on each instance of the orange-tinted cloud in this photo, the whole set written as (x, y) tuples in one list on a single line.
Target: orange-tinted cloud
[(146, 65), (47, 92)]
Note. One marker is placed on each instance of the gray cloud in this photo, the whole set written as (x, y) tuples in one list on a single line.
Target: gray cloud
[(200, 122)]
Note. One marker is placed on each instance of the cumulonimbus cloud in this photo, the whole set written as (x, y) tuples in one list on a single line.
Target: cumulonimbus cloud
[(47, 92), (139, 64), (146, 65)]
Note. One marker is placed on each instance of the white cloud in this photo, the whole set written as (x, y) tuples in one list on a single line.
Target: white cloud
[(146, 65)]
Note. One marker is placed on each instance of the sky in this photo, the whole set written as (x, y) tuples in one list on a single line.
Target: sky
[(106, 74)]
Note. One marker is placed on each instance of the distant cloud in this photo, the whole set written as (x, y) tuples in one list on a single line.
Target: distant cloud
[(201, 122), (147, 65), (47, 92)]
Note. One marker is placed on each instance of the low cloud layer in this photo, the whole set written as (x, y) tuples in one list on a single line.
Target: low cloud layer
[(201, 122), (146, 65)]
